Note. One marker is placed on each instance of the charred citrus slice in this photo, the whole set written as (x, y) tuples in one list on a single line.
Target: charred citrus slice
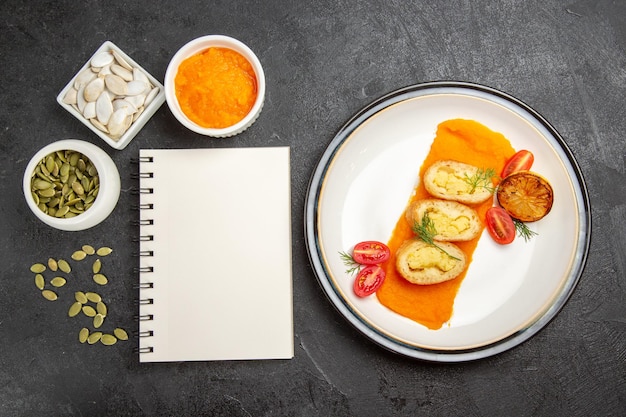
[(526, 196)]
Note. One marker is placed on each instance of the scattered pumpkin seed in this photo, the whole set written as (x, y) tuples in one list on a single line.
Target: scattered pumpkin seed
[(58, 282), (83, 335), (104, 251), (97, 265), (89, 311), (52, 264), (75, 308), (94, 337), (108, 339), (79, 255), (80, 297), (93, 297), (64, 266), (101, 308), (100, 279), (39, 281), (37, 268), (49, 295), (120, 333), (98, 319), (88, 249)]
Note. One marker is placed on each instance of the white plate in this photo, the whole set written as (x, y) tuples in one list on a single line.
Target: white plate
[(364, 180)]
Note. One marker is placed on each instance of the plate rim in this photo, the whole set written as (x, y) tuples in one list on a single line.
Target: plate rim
[(344, 309)]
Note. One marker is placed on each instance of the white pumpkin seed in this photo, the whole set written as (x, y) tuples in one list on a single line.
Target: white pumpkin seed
[(101, 59)]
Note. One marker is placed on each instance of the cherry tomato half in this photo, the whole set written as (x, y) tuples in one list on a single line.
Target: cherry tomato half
[(369, 280), (521, 161), (370, 253), (500, 225)]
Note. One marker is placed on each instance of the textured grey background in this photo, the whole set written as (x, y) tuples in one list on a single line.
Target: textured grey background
[(324, 60)]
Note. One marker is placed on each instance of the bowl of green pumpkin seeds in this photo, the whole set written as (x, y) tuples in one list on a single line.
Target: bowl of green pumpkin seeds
[(71, 185)]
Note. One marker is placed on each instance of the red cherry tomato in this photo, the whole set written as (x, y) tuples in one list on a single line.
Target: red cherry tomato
[(521, 161), (500, 225), (370, 253), (369, 280)]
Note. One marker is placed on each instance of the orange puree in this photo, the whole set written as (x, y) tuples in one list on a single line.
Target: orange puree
[(216, 88), (431, 305)]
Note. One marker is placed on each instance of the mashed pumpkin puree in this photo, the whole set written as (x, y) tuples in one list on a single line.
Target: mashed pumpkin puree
[(431, 305), (216, 88)]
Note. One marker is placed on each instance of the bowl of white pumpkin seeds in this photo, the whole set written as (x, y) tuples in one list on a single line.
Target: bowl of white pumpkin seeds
[(71, 185)]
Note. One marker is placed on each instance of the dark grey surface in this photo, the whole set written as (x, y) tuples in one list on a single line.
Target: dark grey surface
[(323, 61)]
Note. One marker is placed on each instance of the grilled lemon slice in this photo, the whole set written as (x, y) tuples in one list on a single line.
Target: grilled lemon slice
[(526, 196)]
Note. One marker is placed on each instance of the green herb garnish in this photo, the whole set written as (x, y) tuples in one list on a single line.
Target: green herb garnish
[(481, 179), (523, 230), (349, 261), (426, 231)]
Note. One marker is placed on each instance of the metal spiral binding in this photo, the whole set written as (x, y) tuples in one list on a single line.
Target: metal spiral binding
[(146, 237)]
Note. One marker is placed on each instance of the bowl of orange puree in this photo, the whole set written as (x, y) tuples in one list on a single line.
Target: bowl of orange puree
[(215, 86)]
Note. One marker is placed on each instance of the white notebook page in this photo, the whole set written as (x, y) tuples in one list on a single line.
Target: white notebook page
[(222, 282)]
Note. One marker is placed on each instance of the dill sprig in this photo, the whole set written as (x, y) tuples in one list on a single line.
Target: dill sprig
[(481, 179), (349, 261), (523, 230), (426, 231)]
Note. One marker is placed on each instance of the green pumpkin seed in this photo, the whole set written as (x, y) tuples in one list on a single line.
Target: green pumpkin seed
[(97, 265), (61, 212), (120, 333), (58, 282), (83, 335), (40, 283), (75, 308), (104, 251), (100, 279), (80, 297), (37, 268), (94, 337), (89, 311), (50, 163), (64, 266), (79, 255), (49, 295), (108, 339), (88, 249), (101, 308), (48, 192), (40, 184), (93, 297), (73, 158), (98, 319)]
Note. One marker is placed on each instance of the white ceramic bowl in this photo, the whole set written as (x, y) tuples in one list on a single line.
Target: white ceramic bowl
[(198, 45), (139, 123), (106, 199)]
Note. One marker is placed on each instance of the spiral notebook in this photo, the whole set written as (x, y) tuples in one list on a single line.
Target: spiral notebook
[(215, 279)]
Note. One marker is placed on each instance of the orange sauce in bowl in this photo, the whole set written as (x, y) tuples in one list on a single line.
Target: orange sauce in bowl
[(432, 305), (216, 88)]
